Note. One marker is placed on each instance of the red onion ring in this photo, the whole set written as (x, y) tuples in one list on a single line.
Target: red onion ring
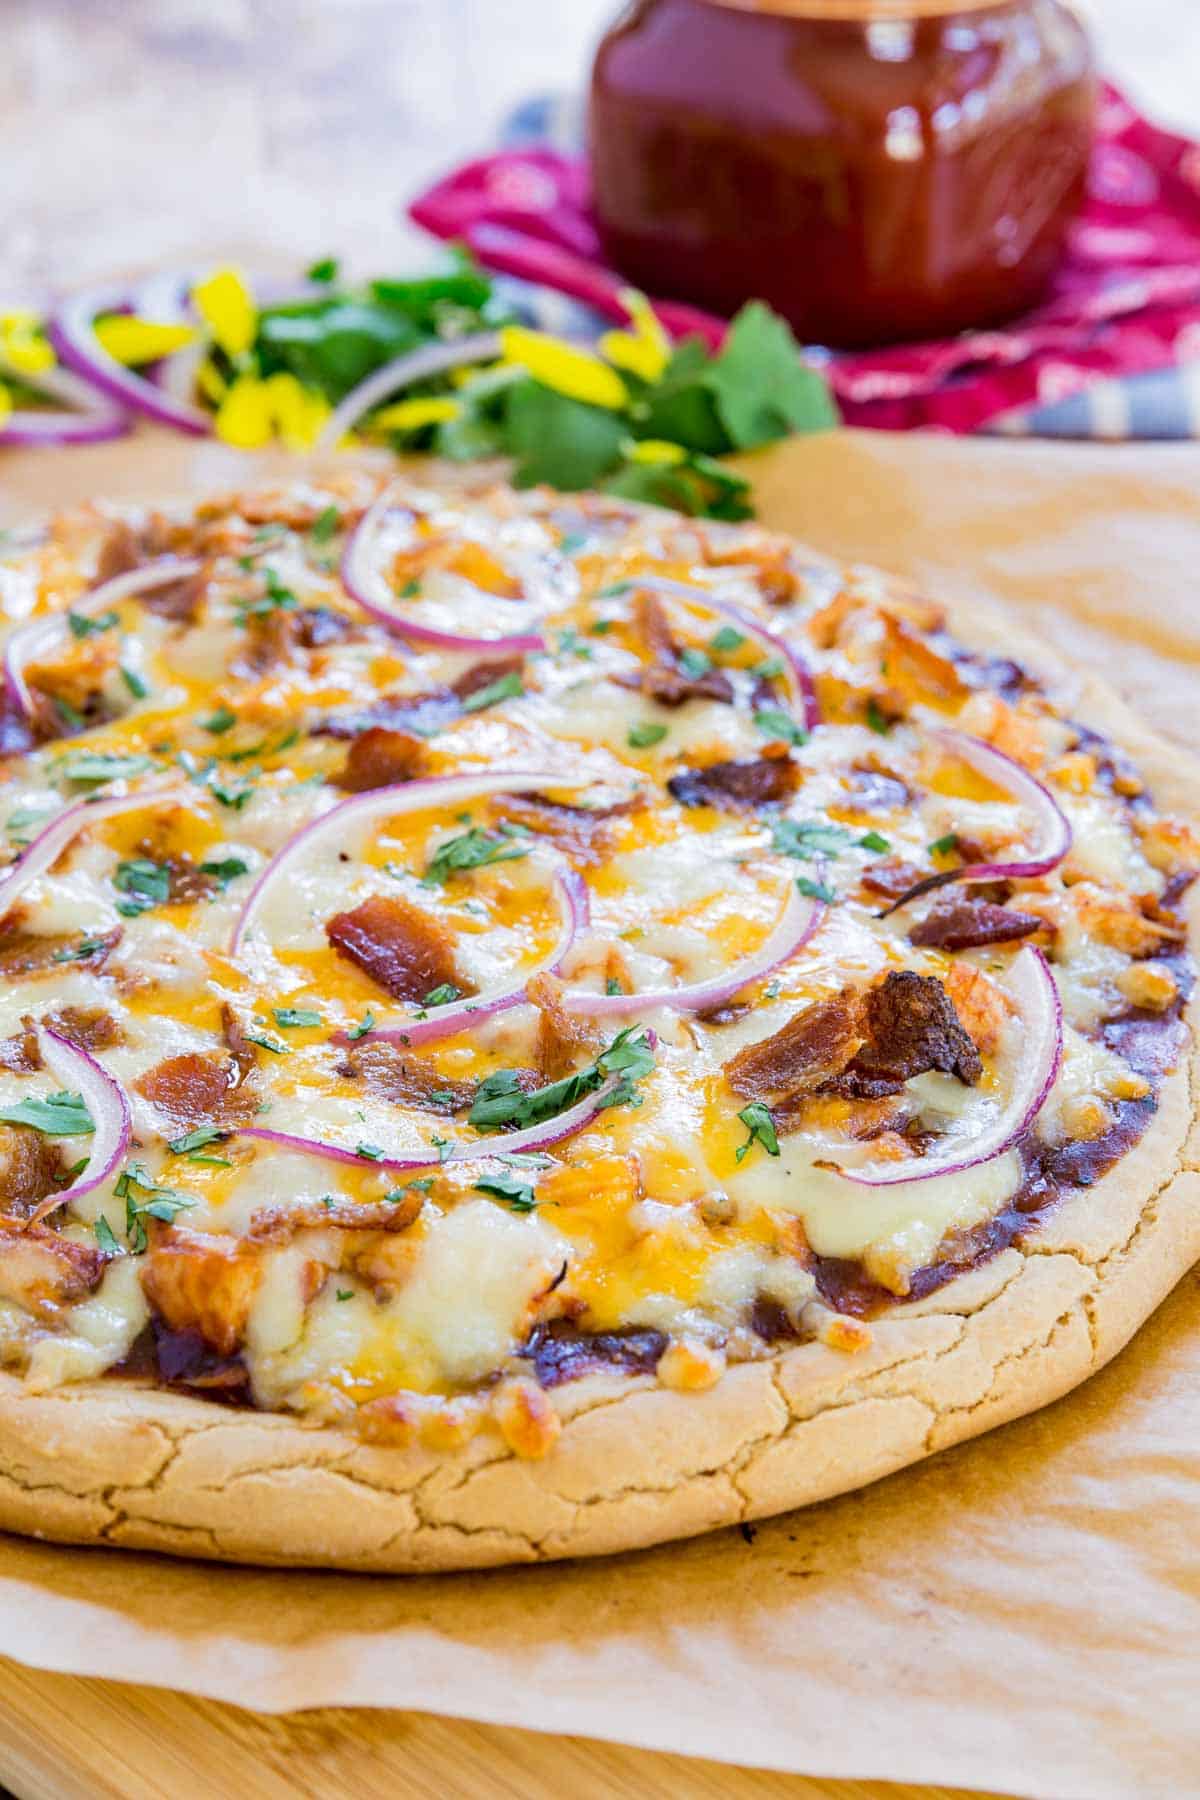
[(72, 333), (43, 851), (572, 894), (1041, 1020), (362, 580), (41, 635), (405, 371), (386, 803), (797, 924), (804, 693), (108, 1105), (1028, 792), (511, 1143)]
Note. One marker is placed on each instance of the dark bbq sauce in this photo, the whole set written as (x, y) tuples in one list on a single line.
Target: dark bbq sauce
[(898, 171)]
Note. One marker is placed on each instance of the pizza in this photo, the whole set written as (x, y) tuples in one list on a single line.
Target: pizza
[(533, 1026)]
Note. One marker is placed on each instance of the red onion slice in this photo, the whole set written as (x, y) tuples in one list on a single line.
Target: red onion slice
[(362, 579), (797, 924), (108, 1105), (509, 1143), (72, 333), (799, 675), (1039, 1006), (404, 372), (1054, 828), (572, 895), (383, 803), (36, 640), (43, 851)]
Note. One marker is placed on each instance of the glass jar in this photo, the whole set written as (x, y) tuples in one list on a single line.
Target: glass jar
[(875, 169)]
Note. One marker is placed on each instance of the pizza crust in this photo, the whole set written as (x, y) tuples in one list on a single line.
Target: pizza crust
[(637, 1464)]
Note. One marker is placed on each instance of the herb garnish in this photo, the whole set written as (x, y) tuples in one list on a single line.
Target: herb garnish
[(516, 1189), (218, 723), (505, 687), (82, 626), (354, 1032), (296, 1018), (943, 846), (92, 768), (442, 995), (145, 884), (164, 1204), (224, 871), (325, 525), (816, 890), (474, 849), (644, 737), (774, 723), (500, 1100), (57, 1115), (761, 1128)]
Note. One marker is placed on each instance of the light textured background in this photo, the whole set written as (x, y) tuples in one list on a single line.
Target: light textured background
[(138, 131)]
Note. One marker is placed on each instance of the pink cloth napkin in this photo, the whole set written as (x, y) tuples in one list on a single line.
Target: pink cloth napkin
[(1126, 298)]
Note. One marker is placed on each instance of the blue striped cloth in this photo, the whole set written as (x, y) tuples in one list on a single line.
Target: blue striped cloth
[(1162, 405)]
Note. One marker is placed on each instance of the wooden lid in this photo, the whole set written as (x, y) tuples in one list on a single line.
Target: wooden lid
[(865, 11)]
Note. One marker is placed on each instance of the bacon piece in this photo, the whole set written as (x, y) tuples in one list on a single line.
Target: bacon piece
[(243, 1052), (120, 552), (201, 1282), (892, 878), (43, 1272), (274, 638), (180, 602), (482, 674), (381, 758), (422, 715), (767, 780), (562, 1039), (88, 1026), (582, 833), (964, 924), (188, 882), (31, 1168), (20, 1053), (663, 678), (23, 953), (400, 1076), (405, 950), (912, 1027), (812, 1046), (279, 1224), (197, 1090)]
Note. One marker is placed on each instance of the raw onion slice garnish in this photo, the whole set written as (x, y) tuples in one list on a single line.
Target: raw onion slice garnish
[(72, 332), (1040, 1022), (426, 1027), (107, 1105), (799, 920), (41, 636), (43, 851), (364, 580), (1053, 827), (795, 670), (405, 372), (384, 803)]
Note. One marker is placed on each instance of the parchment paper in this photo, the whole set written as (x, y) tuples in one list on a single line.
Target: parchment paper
[(1022, 1612)]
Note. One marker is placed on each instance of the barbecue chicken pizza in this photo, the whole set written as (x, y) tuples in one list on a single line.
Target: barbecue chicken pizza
[(531, 1026)]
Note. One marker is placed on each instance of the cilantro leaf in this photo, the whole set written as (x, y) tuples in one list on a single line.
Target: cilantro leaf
[(560, 441), (196, 1139), (57, 1115), (92, 768), (943, 846), (761, 1129), (474, 849), (644, 737), (779, 726), (147, 884), (518, 1192), (500, 1100), (219, 722), (816, 890), (808, 839), (225, 870), (290, 1018), (761, 386), (505, 687), (83, 625)]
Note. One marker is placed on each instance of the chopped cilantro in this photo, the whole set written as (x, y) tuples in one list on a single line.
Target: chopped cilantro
[(82, 626), (500, 1100), (873, 840), (694, 663), (325, 271), (877, 719), (572, 542), (761, 1129), (234, 794), (345, 1293), (774, 723), (422, 1183), (726, 639), (769, 668), (196, 1140), (505, 687), (267, 1043), (296, 1018), (105, 1238), (57, 1115), (808, 839), (164, 1204), (442, 995), (86, 947), (145, 883), (325, 525), (474, 849), (225, 870), (518, 1192), (24, 818), (92, 768), (613, 986), (944, 846), (410, 590), (218, 723), (136, 684), (370, 1152), (644, 737), (816, 890), (571, 644), (361, 1030)]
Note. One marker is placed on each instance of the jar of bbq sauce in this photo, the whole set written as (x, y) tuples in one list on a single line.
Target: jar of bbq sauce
[(875, 169)]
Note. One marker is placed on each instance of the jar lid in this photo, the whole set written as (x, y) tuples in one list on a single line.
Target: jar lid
[(864, 10)]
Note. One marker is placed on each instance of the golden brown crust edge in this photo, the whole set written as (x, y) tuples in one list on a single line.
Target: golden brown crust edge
[(107, 1462)]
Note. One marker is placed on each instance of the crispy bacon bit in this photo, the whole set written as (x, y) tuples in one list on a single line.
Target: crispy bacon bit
[(120, 552), (812, 1046), (20, 1053), (197, 1090), (88, 1026), (582, 833), (663, 678), (201, 1282), (381, 758), (243, 1052), (31, 1168), (912, 1027), (279, 1224), (275, 638), (44, 1272), (23, 953), (401, 1077), (188, 882), (562, 1038), (767, 780), (893, 878), (963, 924), (915, 669), (407, 951), (180, 602), (560, 1353), (421, 714), (482, 674)]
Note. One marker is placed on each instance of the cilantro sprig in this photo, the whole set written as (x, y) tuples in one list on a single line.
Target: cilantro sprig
[(501, 1101)]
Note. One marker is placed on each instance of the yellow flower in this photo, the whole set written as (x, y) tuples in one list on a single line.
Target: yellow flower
[(654, 450), (22, 345), (227, 307), (245, 416), (413, 415), (136, 341), (211, 382), (298, 413), (5, 403), (576, 373), (646, 350)]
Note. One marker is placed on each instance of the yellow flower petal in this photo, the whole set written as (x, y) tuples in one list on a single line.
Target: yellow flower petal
[(244, 417), (22, 345), (5, 403), (654, 450), (211, 382), (646, 350), (413, 415), (135, 341), (227, 307), (298, 412), (576, 373)]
